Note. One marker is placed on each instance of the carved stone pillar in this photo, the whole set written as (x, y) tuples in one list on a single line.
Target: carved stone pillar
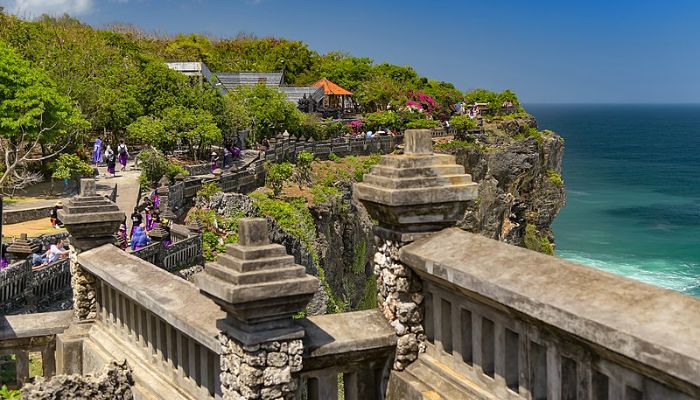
[(260, 288), (411, 196), (91, 220)]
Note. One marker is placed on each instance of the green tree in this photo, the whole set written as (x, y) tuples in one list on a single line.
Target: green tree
[(269, 110), (277, 175), (382, 119), (194, 127), (151, 131), (303, 168), (154, 165), (32, 114), (462, 122)]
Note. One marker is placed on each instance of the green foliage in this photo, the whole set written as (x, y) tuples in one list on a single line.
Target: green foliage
[(456, 144), (334, 157), (535, 242), (293, 216), (32, 112), (382, 119), (462, 122), (323, 194), (369, 299), (217, 230), (359, 257), (555, 177), (9, 394), (154, 165), (209, 189), (70, 166), (303, 168), (270, 113), (423, 124), (277, 175)]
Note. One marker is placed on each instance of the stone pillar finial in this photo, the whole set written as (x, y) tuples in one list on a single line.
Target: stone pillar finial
[(418, 192), (87, 188), (91, 220), (258, 285), (418, 141), (260, 288)]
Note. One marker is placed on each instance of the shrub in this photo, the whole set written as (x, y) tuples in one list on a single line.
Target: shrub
[(209, 189), (382, 119), (535, 242), (303, 167), (9, 394), (70, 166), (334, 157), (555, 177), (462, 122), (423, 124), (277, 174), (154, 165), (455, 144)]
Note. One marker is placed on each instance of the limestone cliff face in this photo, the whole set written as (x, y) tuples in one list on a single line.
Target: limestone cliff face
[(519, 184)]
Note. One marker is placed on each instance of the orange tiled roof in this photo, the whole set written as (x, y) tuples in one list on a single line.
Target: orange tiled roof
[(331, 88)]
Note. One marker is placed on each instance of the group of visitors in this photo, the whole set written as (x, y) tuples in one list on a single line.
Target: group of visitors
[(231, 152), (143, 223), (56, 251), (110, 156)]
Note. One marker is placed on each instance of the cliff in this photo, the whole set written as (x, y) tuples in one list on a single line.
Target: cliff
[(327, 230), (518, 169)]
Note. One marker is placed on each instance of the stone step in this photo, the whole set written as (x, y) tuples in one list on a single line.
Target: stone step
[(443, 380), (406, 183), (254, 252), (433, 170), (240, 265), (402, 161), (266, 275)]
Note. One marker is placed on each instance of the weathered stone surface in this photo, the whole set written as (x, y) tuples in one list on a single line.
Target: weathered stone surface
[(258, 285), (418, 191), (114, 383)]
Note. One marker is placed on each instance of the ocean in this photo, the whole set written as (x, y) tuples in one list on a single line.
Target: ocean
[(632, 176)]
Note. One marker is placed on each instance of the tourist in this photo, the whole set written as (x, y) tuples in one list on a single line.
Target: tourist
[(123, 152), (97, 151), (110, 159), (121, 237), (38, 260), (165, 224), (3, 257), (149, 218), (140, 238), (56, 251), (227, 157), (136, 219), (214, 161), (55, 223)]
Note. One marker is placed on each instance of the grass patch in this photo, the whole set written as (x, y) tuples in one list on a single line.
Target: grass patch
[(456, 144), (555, 177), (536, 242)]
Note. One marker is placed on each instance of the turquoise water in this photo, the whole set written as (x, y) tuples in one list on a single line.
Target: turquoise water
[(632, 175)]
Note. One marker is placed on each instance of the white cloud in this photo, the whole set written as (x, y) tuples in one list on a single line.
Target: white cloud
[(34, 8)]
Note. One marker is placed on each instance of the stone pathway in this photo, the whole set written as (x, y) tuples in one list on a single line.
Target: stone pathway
[(127, 189)]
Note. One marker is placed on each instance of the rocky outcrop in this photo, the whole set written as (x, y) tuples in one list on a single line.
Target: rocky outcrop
[(519, 184), (114, 383)]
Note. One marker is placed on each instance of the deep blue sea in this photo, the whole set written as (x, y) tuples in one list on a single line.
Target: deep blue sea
[(632, 176)]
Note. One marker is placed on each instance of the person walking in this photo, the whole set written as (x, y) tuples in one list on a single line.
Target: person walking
[(97, 151), (110, 159), (123, 153)]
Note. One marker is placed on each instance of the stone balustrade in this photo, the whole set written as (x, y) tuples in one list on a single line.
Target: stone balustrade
[(22, 334), (21, 286), (182, 253), (508, 323)]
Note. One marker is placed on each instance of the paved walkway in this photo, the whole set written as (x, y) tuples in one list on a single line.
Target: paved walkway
[(127, 189)]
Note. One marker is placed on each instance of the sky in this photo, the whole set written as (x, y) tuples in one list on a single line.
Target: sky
[(613, 51)]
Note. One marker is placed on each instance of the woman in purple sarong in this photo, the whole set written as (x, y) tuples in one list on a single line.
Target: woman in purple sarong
[(97, 151), (110, 159), (123, 153)]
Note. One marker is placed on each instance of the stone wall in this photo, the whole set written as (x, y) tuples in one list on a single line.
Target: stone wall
[(114, 383), (260, 371), (22, 288), (27, 214)]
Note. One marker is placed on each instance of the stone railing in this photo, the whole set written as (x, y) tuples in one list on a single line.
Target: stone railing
[(252, 177), (183, 253), (21, 286), (161, 324), (505, 322), (22, 334), (354, 349), (168, 331)]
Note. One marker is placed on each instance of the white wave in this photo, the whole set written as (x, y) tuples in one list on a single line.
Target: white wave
[(682, 277)]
